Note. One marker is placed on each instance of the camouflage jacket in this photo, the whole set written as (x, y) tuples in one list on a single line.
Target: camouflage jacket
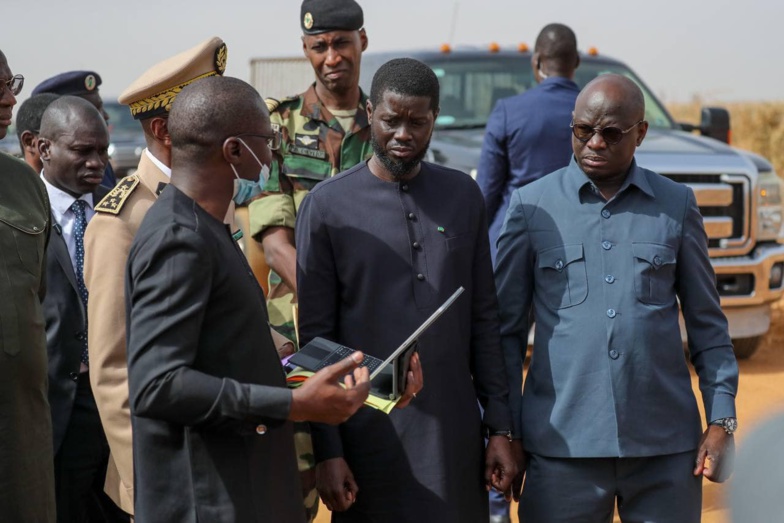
[(314, 147)]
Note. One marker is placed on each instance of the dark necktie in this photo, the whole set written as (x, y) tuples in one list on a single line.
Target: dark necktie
[(80, 224)]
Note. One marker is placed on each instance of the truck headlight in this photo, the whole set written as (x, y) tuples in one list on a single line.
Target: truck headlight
[(770, 217)]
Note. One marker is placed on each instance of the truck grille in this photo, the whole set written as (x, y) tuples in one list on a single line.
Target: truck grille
[(725, 204)]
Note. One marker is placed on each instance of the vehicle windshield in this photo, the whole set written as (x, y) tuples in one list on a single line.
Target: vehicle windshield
[(471, 87), (120, 119)]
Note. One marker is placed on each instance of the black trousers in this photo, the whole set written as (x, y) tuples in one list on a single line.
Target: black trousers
[(80, 465)]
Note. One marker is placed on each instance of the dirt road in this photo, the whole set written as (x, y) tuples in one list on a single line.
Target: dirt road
[(761, 394)]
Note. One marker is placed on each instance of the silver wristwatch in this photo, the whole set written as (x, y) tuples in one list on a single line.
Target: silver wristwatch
[(730, 425)]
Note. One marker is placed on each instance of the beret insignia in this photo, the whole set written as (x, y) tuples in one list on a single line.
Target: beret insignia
[(221, 56), (113, 202), (89, 82), (307, 20)]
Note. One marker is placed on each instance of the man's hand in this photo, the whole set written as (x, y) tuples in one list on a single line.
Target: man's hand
[(500, 466), (715, 455), (518, 454), (335, 484), (285, 350), (414, 382), (322, 399)]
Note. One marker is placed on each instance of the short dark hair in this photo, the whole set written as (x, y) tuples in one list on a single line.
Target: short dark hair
[(407, 77), (28, 117), (210, 110), (557, 42), (60, 115)]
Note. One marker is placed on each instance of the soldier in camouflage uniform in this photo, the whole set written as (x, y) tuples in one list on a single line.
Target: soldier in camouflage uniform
[(319, 141), (325, 131), (314, 147)]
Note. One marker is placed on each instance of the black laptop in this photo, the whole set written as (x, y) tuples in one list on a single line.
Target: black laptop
[(387, 381)]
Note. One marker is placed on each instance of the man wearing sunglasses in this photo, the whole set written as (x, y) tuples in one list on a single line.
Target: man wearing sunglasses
[(26, 453), (604, 252)]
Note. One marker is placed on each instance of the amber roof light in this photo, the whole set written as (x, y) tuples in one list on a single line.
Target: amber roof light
[(445, 48), (494, 47), (593, 51), (522, 47)]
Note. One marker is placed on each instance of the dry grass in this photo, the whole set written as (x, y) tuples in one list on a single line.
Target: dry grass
[(756, 126)]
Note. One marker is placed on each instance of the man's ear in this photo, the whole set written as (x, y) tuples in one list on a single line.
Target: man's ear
[(44, 146), (28, 142), (160, 130), (232, 150), (369, 109), (641, 132), (364, 39)]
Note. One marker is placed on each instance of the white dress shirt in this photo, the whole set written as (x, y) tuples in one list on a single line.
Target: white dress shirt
[(64, 217), (158, 163)]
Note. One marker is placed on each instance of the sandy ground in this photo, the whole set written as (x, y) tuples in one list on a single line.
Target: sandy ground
[(761, 395)]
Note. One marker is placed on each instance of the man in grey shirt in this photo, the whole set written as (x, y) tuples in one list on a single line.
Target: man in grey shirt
[(603, 251)]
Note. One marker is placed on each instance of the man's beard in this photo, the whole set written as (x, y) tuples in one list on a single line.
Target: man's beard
[(398, 169)]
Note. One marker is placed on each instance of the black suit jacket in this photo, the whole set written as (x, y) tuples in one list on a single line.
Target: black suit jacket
[(208, 394), (66, 328)]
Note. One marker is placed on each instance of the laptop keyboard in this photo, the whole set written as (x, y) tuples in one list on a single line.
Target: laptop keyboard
[(370, 362)]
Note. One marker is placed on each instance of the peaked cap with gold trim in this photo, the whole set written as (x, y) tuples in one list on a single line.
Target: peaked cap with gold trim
[(154, 91)]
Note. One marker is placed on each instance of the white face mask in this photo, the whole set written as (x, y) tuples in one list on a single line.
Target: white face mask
[(244, 189)]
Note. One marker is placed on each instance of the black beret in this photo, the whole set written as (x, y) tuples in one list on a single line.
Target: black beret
[(72, 82), (322, 16)]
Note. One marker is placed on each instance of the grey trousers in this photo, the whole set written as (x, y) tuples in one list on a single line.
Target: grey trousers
[(660, 489)]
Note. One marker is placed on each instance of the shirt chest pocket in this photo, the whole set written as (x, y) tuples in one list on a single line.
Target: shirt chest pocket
[(562, 280), (305, 172), (23, 247), (21, 256), (654, 273)]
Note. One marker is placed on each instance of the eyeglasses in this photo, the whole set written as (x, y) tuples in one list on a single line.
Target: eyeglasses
[(610, 135), (273, 140), (15, 84)]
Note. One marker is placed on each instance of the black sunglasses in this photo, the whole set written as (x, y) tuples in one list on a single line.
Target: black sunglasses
[(15, 84), (610, 135)]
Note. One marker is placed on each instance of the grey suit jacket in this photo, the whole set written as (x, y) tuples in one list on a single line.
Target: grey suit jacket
[(608, 377), (66, 329)]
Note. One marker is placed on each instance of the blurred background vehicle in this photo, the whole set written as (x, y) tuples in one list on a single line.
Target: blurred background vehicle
[(10, 144), (126, 139)]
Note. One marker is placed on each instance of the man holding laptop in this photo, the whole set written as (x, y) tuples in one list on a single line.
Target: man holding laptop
[(380, 249)]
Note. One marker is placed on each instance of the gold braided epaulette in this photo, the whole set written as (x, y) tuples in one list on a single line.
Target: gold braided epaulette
[(165, 98), (113, 202)]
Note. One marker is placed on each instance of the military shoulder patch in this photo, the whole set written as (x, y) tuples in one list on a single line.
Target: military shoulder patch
[(274, 104), (113, 202)]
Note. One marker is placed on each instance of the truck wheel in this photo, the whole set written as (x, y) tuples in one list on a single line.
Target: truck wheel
[(745, 347)]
